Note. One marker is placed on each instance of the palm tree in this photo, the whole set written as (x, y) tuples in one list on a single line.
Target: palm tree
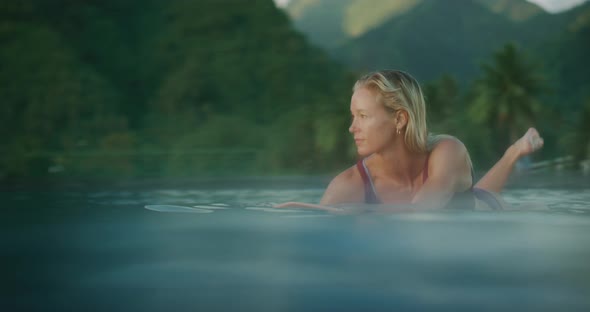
[(505, 96)]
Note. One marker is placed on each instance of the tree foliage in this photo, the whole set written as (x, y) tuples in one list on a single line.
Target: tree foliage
[(148, 88), (506, 97), (153, 77)]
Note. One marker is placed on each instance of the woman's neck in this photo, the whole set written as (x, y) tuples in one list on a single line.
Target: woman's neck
[(399, 163)]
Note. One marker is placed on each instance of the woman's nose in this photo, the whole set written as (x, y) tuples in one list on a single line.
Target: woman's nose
[(352, 128)]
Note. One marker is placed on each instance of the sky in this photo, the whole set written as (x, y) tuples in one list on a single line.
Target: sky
[(553, 6)]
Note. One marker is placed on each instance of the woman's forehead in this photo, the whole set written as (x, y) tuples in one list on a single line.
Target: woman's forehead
[(363, 99)]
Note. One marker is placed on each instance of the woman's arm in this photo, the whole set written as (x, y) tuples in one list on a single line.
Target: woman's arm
[(343, 189), (495, 179), (449, 172), (355, 208), (308, 206)]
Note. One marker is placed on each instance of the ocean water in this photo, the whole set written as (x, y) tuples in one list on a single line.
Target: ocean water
[(220, 246)]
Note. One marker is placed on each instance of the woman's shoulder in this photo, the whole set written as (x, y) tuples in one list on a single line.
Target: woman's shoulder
[(449, 158), (346, 187), (348, 177), (444, 143)]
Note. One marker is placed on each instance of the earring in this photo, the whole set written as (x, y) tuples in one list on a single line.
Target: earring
[(398, 131)]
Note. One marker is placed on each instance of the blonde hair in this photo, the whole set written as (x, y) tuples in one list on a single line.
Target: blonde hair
[(397, 90)]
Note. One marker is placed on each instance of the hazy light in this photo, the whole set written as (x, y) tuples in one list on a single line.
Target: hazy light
[(552, 6), (281, 3)]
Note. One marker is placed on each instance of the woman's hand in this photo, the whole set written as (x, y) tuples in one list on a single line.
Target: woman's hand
[(530, 142), (354, 209), (307, 206)]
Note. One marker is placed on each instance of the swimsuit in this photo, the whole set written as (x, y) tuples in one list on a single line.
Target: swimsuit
[(463, 200)]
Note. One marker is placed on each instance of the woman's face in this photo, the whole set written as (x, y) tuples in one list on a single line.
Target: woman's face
[(372, 126)]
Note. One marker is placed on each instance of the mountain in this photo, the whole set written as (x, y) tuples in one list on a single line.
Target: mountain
[(566, 56), (430, 38), (433, 38), (515, 10), (329, 23), (101, 76)]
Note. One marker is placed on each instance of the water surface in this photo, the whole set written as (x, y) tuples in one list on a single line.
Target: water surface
[(225, 248)]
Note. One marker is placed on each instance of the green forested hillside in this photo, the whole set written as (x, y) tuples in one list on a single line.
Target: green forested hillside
[(566, 59), (459, 35), (52, 98), (91, 88), (331, 23), (515, 10), (566, 56), (433, 38), (191, 88)]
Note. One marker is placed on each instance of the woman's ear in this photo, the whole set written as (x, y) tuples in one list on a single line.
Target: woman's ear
[(401, 119)]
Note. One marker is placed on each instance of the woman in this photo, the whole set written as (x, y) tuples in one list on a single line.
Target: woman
[(401, 163)]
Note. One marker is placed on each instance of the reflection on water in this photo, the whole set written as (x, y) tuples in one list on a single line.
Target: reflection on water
[(228, 249)]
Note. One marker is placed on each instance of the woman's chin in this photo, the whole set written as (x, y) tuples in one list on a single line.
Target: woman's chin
[(362, 152)]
